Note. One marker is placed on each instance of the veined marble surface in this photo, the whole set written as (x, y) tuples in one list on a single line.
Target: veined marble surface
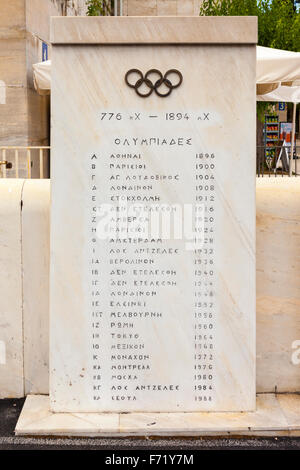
[(89, 80), (274, 416), (278, 284), (154, 30)]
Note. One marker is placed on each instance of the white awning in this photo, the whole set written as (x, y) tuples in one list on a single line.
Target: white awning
[(289, 94), (42, 77), (275, 65)]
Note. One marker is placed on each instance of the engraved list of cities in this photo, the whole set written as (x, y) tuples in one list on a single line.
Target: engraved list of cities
[(153, 229)]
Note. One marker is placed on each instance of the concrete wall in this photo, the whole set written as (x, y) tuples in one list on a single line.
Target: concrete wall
[(24, 265)]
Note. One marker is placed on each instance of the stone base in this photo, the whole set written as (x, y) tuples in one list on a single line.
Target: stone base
[(276, 415)]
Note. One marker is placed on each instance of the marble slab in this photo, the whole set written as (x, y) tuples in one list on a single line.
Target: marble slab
[(36, 418), (289, 404), (11, 315), (150, 324), (278, 287), (154, 30), (274, 416), (35, 264)]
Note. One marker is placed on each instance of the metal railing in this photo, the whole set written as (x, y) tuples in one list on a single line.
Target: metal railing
[(277, 160), (24, 162)]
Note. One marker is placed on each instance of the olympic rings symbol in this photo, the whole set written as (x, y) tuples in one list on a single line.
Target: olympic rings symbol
[(154, 84)]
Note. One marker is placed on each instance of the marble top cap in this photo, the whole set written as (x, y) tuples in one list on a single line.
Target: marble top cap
[(154, 30)]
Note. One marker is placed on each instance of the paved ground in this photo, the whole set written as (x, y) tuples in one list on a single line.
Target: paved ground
[(10, 409)]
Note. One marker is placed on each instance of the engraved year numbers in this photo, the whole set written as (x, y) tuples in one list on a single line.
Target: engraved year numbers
[(176, 116), (110, 116)]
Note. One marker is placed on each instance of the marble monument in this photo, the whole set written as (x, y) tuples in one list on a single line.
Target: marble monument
[(152, 278)]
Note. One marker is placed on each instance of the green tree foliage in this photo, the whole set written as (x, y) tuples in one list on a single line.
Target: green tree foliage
[(278, 20), (278, 25), (99, 7)]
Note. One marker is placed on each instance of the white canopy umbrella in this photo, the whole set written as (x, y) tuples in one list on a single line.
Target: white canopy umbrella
[(289, 94), (275, 66)]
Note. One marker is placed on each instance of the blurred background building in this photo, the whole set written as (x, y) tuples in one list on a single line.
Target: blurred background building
[(24, 41)]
